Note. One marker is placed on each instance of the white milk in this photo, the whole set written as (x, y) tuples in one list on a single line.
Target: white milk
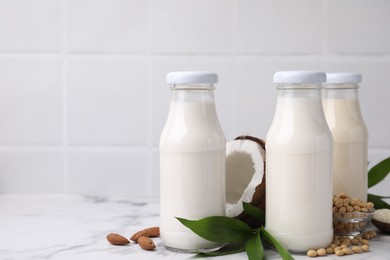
[(190, 192), (192, 168), (298, 168), (350, 146)]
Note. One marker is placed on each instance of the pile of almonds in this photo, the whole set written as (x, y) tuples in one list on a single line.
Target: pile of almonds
[(345, 246), (143, 238)]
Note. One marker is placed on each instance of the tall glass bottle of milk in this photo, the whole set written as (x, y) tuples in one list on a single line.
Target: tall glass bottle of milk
[(299, 159), (192, 160), (342, 112)]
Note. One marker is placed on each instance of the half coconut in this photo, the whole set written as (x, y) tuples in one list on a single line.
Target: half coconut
[(245, 176)]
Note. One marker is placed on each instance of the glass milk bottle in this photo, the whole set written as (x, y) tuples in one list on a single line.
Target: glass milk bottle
[(299, 160), (192, 160), (342, 112)]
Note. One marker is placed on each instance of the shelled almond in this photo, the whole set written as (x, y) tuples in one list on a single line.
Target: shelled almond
[(142, 238), (146, 243), (147, 232), (116, 239)]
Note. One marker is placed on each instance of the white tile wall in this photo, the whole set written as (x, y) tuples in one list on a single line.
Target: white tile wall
[(83, 97), (113, 26), (107, 101), (31, 170), (358, 27), (188, 26), (31, 26), (154, 177), (278, 26), (108, 172), (30, 100)]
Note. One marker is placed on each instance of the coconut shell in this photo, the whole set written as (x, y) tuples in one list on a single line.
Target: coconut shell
[(258, 198), (383, 226)]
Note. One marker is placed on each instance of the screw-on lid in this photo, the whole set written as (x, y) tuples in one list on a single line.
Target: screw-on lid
[(309, 77), (343, 77), (192, 77)]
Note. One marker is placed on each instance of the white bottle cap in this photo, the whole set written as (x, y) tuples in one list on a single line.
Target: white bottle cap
[(192, 77), (344, 77), (313, 77)]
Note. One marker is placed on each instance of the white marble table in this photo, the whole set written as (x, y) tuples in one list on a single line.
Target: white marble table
[(75, 227)]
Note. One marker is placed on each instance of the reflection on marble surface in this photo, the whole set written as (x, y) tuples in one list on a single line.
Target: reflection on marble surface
[(75, 227)]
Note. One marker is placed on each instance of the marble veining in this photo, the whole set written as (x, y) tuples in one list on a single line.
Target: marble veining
[(75, 227)]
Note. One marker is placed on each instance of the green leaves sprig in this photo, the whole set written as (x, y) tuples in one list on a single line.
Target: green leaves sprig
[(239, 236), (375, 175)]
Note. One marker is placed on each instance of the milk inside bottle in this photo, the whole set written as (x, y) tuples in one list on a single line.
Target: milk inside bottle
[(192, 160), (299, 159), (345, 120)]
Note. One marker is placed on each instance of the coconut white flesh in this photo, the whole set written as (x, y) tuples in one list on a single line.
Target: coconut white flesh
[(244, 171), (382, 215)]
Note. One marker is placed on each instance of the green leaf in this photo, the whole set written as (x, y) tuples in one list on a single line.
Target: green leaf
[(254, 248), (219, 229), (381, 197), (378, 201), (231, 248), (275, 243), (254, 212), (378, 172)]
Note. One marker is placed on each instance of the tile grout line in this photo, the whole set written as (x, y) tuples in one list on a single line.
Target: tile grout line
[(235, 52), (65, 96), (324, 57), (149, 167), (251, 55)]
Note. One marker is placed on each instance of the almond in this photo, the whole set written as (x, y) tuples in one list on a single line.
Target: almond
[(117, 239), (147, 232), (146, 243)]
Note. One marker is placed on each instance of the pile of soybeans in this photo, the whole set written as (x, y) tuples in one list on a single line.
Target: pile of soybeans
[(346, 207), (345, 246)]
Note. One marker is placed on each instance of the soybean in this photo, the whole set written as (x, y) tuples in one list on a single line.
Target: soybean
[(365, 248), (321, 252), (357, 249), (312, 253)]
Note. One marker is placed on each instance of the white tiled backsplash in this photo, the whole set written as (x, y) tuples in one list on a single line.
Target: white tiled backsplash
[(83, 97)]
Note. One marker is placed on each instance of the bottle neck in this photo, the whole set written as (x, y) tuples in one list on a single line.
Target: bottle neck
[(193, 93), (300, 102), (193, 108), (342, 110), (299, 90), (341, 91)]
